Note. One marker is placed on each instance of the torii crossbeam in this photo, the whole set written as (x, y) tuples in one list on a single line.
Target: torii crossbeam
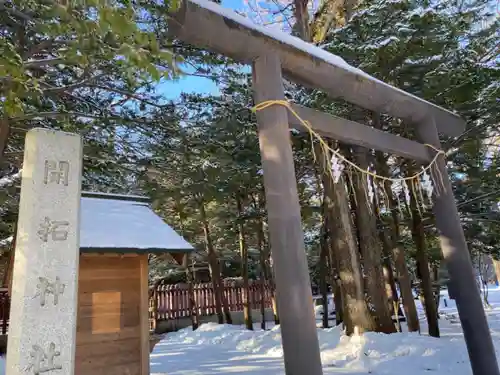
[(273, 54)]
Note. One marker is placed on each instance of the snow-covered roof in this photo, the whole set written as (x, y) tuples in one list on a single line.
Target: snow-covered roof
[(121, 224)]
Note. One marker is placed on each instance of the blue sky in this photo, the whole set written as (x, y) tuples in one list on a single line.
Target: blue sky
[(188, 84)]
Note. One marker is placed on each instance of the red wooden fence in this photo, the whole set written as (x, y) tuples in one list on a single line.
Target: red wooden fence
[(172, 301), (4, 310)]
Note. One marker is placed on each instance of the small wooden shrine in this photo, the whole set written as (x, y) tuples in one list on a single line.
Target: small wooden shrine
[(116, 235)]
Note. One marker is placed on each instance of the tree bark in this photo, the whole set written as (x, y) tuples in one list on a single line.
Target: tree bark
[(370, 248), (338, 300), (336, 284), (263, 275), (390, 283), (418, 235), (323, 266), (247, 311), (192, 302), (335, 281), (268, 271), (301, 26), (496, 266), (225, 304), (213, 264), (402, 274), (357, 317), (4, 136), (356, 314)]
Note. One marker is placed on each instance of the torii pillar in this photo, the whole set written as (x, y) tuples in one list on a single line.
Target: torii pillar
[(293, 286)]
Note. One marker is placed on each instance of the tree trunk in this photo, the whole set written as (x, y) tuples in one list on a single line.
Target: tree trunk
[(263, 276), (192, 302), (335, 283), (370, 248), (496, 266), (262, 285), (189, 274), (268, 271), (437, 284), (301, 26), (418, 235), (338, 300), (247, 311), (390, 283), (4, 136), (225, 304), (357, 317), (356, 314), (323, 266), (402, 274), (213, 264), (274, 304)]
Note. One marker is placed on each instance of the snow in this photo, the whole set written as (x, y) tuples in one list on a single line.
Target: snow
[(123, 224), (422, 12), (318, 307), (119, 224), (10, 180), (6, 241), (384, 42), (425, 60), (219, 349)]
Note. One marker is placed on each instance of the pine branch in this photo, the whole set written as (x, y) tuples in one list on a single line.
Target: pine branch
[(55, 114), (475, 199), (15, 12), (127, 94), (73, 86), (43, 62)]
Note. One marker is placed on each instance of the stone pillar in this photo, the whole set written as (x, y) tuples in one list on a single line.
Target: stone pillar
[(45, 280)]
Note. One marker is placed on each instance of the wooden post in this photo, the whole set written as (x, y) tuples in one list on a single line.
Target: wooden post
[(457, 259), (144, 314), (293, 287), (155, 307), (192, 308)]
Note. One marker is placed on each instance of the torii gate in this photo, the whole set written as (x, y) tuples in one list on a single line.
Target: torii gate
[(273, 54)]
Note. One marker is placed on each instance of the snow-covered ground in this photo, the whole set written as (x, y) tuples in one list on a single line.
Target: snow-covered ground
[(223, 349), (220, 349)]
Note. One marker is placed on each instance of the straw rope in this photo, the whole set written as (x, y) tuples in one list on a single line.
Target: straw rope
[(268, 103)]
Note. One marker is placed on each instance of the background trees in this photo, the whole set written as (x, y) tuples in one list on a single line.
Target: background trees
[(96, 70)]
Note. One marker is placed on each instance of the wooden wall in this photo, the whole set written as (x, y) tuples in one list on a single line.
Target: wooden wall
[(112, 330)]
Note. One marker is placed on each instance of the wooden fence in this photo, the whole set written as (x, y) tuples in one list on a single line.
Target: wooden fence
[(4, 310), (172, 301)]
